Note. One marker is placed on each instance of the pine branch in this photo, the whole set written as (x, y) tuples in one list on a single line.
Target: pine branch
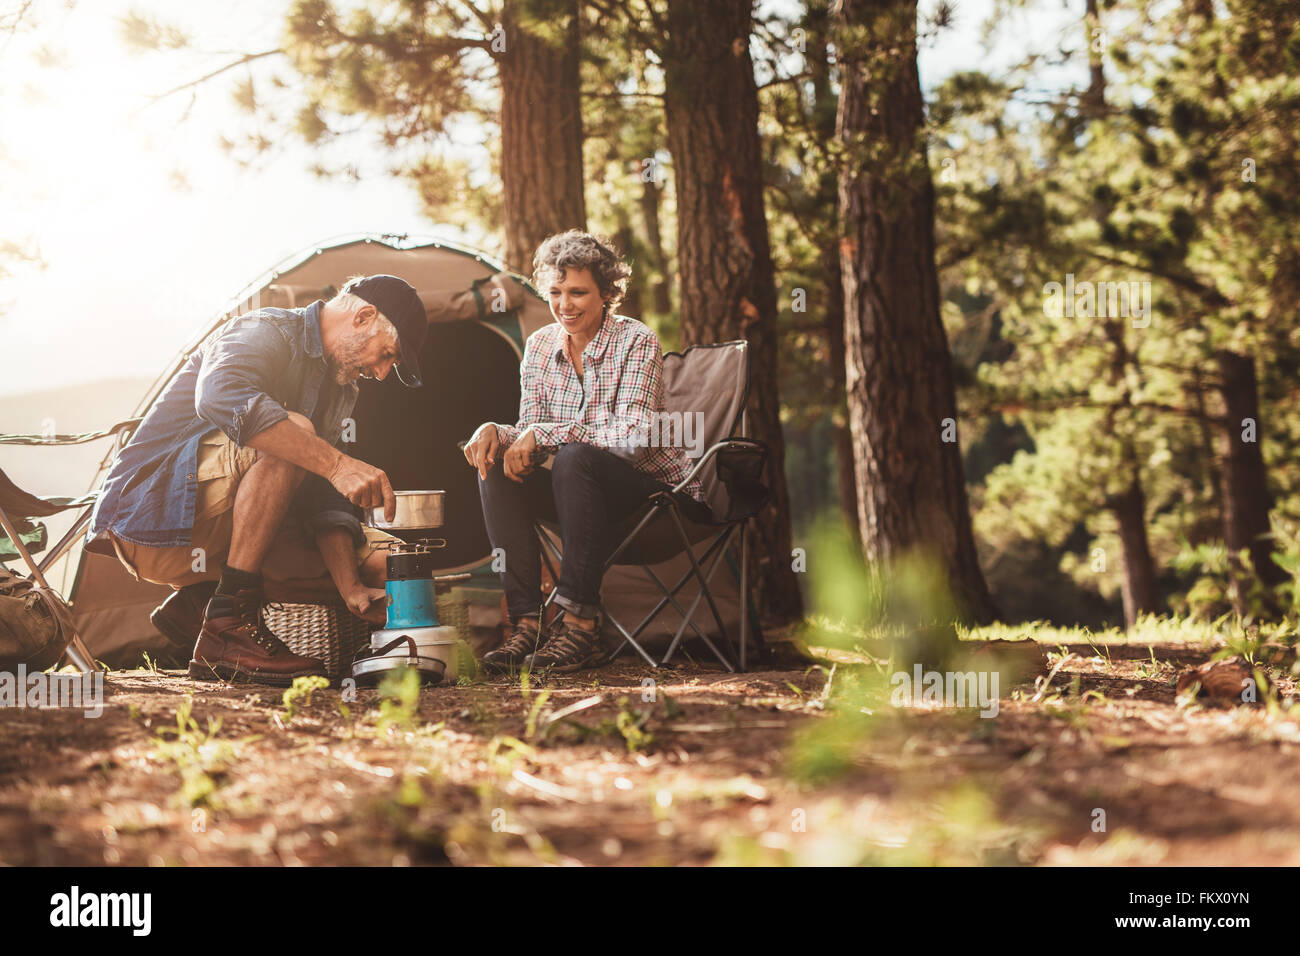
[(1208, 294), (479, 15), (241, 61), (1015, 403), (794, 78), (659, 20), (10, 22)]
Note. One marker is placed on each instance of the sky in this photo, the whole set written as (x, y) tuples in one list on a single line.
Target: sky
[(146, 227)]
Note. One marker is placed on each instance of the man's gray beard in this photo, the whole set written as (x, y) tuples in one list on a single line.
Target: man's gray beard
[(339, 375), (350, 351)]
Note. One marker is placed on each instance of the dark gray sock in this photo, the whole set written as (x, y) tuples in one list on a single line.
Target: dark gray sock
[(233, 580)]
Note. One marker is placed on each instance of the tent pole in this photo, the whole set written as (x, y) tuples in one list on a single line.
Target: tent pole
[(68, 540)]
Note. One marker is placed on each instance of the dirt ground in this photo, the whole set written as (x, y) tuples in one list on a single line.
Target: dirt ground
[(1100, 766)]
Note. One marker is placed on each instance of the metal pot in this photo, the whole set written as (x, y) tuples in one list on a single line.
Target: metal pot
[(415, 510)]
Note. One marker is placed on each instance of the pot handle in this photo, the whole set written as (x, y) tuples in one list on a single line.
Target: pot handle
[(412, 651)]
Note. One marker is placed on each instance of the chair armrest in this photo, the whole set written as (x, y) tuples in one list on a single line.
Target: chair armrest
[(728, 444)]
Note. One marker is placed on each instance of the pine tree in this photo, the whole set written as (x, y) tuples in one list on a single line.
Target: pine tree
[(902, 403)]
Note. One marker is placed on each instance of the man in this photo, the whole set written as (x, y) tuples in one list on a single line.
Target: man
[(244, 438)]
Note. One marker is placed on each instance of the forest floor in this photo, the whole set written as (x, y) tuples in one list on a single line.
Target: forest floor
[(1100, 765)]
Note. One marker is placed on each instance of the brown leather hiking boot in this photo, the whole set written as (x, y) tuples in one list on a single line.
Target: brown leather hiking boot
[(180, 617), (568, 649), (236, 645), (511, 654)]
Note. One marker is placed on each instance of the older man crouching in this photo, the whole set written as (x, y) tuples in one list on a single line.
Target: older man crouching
[(242, 439)]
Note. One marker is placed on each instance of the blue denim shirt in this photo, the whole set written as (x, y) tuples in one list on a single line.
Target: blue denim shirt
[(250, 375)]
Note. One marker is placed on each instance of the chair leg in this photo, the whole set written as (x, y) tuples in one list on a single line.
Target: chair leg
[(548, 545), (704, 584), (744, 592), (688, 616), (686, 576), (711, 554), (628, 638), (22, 549), (76, 650), (80, 655)]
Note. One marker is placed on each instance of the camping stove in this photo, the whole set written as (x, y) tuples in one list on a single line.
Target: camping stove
[(411, 635)]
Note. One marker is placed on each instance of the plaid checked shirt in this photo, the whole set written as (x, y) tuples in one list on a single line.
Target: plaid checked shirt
[(614, 406)]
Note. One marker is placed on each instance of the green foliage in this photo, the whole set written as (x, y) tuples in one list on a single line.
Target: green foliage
[(631, 724), (1154, 188), (201, 758), (904, 607), (530, 725), (299, 694), (399, 704)]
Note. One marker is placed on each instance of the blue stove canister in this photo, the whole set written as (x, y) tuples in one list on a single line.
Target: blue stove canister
[(412, 601)]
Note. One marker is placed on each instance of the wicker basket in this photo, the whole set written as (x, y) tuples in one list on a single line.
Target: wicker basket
[(330, 633), (453, 611)]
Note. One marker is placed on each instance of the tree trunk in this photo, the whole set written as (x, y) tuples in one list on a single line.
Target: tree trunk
[(1140, 593), (902, 406), (825, 100), (1246, 500), (1209, 467), (662, 295), (728, 289), (841, 433), (1094, 98), (625, 241), (541, 126)]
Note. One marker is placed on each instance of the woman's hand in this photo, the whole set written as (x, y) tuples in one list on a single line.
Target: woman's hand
[(481, 450), (370, 604), (518, 461)]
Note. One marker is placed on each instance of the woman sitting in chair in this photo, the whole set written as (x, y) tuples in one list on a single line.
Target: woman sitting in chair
[(591, 390)]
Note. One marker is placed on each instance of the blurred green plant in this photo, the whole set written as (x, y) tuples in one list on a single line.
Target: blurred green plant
[(202, 759), (299, 694), (399, 703)]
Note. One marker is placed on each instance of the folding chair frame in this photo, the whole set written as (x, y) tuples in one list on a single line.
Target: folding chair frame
[(76, 650), (661, 503)]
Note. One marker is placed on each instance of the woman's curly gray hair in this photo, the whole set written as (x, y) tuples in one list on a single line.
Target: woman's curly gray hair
[(581, 250)]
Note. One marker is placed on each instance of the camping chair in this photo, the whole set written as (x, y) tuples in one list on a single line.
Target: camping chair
[(26, 536), (713, 380)]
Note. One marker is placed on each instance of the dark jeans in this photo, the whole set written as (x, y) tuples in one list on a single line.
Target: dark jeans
[(591, 492)]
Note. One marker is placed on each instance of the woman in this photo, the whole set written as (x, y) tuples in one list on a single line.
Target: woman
[(591, 388)]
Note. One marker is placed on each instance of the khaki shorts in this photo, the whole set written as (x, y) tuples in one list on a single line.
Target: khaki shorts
[(221, 466)]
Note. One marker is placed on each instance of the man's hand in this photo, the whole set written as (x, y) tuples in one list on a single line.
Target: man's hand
[(371, 604), (481, 450), (518, 461), (364, 485)]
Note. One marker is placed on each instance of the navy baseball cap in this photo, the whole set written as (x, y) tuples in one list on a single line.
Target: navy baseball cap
[(401, 305)]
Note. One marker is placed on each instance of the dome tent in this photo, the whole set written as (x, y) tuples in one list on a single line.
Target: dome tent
[(470, 370)]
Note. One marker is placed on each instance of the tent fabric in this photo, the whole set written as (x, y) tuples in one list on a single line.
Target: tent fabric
[(471, 358)]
